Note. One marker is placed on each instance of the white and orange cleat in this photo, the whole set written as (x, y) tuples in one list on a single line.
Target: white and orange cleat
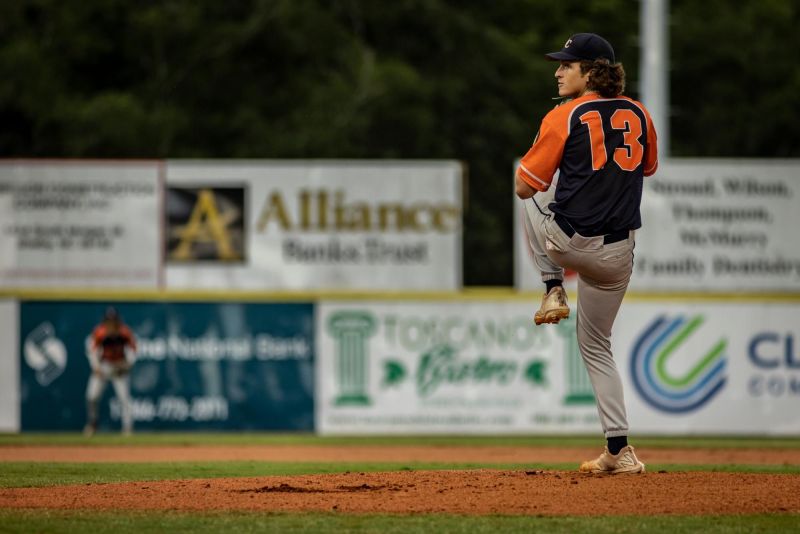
[(554, 307), (624, 462)]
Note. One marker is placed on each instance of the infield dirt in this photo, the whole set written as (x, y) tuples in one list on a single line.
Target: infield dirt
[(484, 491)]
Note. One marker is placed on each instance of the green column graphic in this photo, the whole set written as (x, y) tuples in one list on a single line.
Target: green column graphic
[(579, 387), (351, 330)]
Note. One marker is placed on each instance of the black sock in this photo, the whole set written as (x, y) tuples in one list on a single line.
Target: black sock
[(550, 284), (616, 444)]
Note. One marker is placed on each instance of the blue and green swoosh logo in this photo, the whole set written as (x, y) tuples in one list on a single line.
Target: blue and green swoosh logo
[(676, 393)]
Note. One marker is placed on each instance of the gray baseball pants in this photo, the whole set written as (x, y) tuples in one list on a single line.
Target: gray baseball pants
[(96, 386), (603, 275)]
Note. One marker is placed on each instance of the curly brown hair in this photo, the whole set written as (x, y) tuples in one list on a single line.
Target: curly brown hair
[(606, 78)]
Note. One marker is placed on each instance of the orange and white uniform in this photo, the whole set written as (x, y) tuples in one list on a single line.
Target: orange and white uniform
[(111, 350), (601, 149), (111, 345), (601, 194)]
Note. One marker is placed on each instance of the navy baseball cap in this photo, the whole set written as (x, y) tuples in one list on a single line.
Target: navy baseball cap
[(584, 46)]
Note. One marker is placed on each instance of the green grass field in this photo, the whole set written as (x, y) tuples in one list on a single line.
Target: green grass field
[(26, 474)]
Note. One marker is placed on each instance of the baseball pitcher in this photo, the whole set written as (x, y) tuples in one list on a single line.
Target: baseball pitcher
[(602, 144)]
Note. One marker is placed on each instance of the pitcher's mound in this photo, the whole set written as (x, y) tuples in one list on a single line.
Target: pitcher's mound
[(482, 491)]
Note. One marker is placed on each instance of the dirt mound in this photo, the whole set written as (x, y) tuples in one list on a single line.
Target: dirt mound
[(485, 491)]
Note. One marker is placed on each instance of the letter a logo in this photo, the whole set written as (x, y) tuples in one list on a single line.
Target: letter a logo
[(208, 232)]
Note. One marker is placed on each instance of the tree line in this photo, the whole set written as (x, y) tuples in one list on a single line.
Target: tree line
[(423, 79)]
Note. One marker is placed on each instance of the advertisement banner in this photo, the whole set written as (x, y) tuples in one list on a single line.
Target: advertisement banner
[(710, 368), (708, 225), (259, 225), (80, 224), (483, 367), (450, 367), (199, 366)]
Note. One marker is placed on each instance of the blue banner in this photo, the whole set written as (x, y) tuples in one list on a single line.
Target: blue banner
[(199, 366)]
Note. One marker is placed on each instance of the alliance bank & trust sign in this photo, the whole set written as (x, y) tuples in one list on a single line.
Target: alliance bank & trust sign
[(393, 231), (208, 224)]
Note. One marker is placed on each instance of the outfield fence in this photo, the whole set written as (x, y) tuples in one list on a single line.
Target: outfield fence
[(425, 363)]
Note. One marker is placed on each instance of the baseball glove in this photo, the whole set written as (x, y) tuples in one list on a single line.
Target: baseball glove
[(121, 369)]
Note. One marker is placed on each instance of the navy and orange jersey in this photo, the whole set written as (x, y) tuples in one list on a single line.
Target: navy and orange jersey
[(602, 149), (112, 342)]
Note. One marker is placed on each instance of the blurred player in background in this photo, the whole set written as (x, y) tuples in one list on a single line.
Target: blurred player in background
[(111, 350)]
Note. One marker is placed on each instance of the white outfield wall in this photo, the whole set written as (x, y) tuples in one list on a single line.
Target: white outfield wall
[(9, 366), (474, 363), (482, 367), (234, 225)]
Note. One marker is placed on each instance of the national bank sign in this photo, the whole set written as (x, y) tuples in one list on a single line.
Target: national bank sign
[(665, 390)]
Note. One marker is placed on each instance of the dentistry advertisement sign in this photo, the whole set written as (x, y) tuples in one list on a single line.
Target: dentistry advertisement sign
[(720, 225)]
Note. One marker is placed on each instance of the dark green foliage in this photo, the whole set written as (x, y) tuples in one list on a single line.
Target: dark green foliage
[(365, 79), (734, 78)]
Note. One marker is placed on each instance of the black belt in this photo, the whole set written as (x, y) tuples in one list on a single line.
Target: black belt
[(567, 228)]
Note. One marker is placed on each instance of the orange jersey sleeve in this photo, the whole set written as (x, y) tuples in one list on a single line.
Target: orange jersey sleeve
[(97, 337), (540, 163), (651, 154)]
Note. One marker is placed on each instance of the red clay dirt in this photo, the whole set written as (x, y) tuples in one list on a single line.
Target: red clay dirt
[(474, 492)]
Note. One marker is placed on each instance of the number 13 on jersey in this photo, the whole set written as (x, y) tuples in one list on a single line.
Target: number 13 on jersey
[(630, 154)]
